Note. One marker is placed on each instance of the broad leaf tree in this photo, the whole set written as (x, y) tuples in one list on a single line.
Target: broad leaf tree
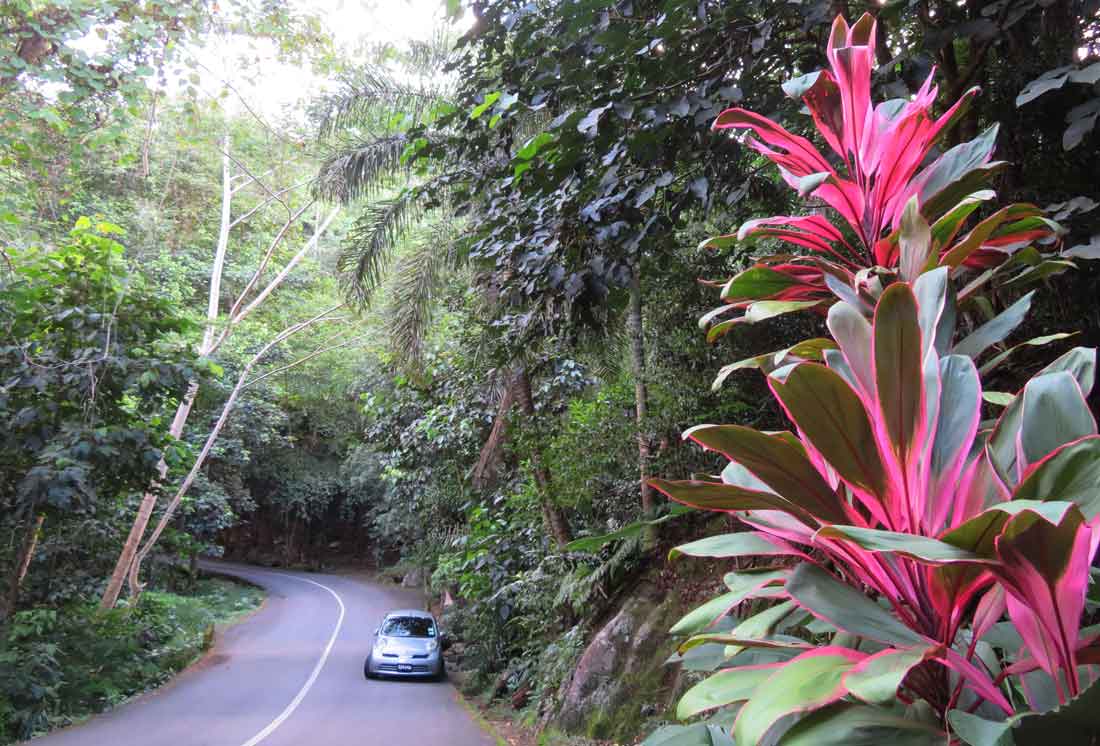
[(93, 358)]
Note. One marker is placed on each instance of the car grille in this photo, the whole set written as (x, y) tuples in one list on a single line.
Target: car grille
[(416, 668)]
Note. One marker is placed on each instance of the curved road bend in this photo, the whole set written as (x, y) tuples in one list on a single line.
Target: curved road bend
[(269, 682)]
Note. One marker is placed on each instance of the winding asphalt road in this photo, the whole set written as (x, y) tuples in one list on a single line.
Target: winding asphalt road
[(290, 675)]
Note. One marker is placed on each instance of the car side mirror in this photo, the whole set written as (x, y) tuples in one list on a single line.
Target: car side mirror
[(376, 631)]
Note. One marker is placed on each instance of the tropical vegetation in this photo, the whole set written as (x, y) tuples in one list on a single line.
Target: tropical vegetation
[(444, 307)]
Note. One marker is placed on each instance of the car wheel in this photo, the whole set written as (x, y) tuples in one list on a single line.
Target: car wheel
[(367, 673), (441, 674)]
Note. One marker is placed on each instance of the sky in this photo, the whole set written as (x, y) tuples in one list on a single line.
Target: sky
[(352, 23)]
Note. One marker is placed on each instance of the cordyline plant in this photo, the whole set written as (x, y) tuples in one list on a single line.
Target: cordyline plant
[(918, 576), (881, 174), (894, 531)]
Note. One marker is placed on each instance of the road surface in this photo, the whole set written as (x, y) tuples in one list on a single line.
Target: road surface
[(290, 675)]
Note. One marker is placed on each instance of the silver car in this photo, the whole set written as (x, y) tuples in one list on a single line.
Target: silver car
[(408, 643)]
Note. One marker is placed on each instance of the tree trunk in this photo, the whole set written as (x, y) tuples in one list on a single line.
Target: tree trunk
[(22, 564), (637, 364), (227, 408), (145, 510), (556, 522), (211, 341), (488, 463), (149, 499)]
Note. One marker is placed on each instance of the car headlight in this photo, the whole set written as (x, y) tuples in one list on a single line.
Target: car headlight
[(433, 645), (381, 644)]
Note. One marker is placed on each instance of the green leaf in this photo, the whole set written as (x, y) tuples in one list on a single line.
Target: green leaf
[(853, 334), (1046, 339), (747, 585), (533, 145), (1054, 412), (977, 731), (767, 309), (807, 682), (699, 734), (718, 496), (752, 632), (915, 239), (995, 330), (897, 351), (743, 544), (862, 725), (810, 349), (1080, 362), (1077, 722), (846, 608), (944, 182), (914, 546), (723, 688), (959, 408), (807, 184), (999, 398), (945, 229), (876, 679), (756, 283), (481, 108), (1071, 474), (833, 419), (978, 534), (983, 231), (778, 462), (797, 87), (595, 543), (937, 311)]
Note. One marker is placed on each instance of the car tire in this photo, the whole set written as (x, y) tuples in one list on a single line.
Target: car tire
[(441, 674), (367, 673)]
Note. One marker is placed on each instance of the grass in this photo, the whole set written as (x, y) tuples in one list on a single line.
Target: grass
[(59, 666)]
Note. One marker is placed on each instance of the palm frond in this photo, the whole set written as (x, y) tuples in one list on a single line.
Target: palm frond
[(530, 123), (361, 169), (369, 244), (428, 57), (606, 354), (418, 278), (373, 97)]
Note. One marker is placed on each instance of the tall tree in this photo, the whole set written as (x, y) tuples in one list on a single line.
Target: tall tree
[(235, 176), (92, 355)]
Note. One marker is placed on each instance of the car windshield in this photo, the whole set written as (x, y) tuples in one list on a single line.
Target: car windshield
[(408, 626)]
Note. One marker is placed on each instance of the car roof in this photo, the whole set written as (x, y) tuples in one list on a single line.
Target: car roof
[(410, 612)]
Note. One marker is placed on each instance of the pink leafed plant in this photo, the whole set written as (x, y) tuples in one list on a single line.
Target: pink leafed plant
[(880, 158)]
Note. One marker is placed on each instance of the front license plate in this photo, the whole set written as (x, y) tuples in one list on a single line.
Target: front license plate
[(404, 667)]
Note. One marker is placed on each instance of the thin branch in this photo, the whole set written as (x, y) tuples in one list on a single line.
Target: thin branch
[(268, 201), (227, 408), (245, 104), (247, 179), (258, 180), (316, 353), (275, 243), (271, 286)]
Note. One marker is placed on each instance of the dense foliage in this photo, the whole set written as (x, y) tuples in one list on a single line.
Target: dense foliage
[(521, 227)]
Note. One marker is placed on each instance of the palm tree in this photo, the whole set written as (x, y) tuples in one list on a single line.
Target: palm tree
[(366, 125)]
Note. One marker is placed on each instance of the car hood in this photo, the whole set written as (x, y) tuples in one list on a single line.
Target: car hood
[(410, 645)]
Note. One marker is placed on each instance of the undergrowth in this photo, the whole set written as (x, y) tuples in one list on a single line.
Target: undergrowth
[(60, 665)]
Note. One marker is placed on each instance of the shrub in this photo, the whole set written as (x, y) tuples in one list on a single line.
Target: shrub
[(893, 530)]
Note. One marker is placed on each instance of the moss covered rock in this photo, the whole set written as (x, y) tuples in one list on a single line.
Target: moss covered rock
[(621, 678)]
